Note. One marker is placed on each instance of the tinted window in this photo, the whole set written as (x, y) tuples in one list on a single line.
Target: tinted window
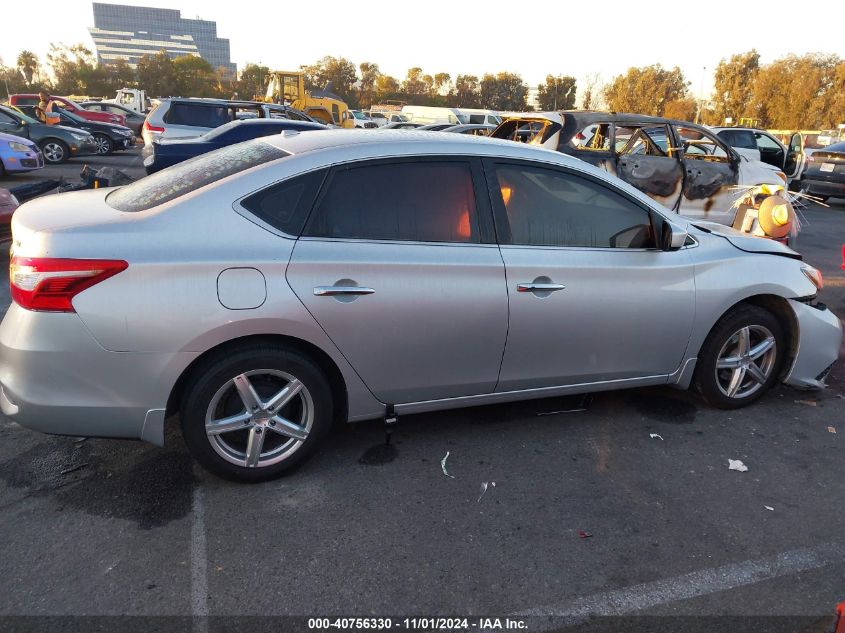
[(197, 115), (5, 118), (739, 138), (419, 201), (285, 206), (545, 207), (182, 178)]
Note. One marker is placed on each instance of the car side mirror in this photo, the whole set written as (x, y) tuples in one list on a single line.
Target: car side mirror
[(674, 237)]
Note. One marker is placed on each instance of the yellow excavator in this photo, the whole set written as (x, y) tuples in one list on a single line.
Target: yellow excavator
[(288, 87)]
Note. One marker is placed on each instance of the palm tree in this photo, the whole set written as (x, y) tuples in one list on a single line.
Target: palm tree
[(28, 64)]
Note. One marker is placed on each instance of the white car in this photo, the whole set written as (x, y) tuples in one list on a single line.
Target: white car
[(763, 146), (361, 120)]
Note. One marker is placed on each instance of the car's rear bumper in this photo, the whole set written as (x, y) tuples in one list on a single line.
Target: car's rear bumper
[(55, 378), (824, 187), (820, 336)]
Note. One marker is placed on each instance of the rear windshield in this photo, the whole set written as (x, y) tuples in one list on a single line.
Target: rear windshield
[(174, 182)]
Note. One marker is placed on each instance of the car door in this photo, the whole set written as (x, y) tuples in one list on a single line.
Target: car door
[(796, 160), (592, 298), (644, 159), (399, 266), (711, 176)]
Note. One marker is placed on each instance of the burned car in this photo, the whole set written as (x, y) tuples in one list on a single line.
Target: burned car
[(684, 166)]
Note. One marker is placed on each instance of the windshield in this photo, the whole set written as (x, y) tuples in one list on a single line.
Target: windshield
[(357, 114), (73, 117), (174, 182)]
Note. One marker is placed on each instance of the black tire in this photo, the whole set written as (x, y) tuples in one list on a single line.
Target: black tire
[(55, 151), (104, 144), (707, 382), (216, 375)]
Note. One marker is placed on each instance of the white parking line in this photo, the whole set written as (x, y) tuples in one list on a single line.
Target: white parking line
[(199, 563), (692, 585)]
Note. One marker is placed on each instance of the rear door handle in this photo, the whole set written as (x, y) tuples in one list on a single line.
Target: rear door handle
[(331, 291), (535, 287)]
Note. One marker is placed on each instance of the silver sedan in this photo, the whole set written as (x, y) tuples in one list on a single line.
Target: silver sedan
[(266, 289)]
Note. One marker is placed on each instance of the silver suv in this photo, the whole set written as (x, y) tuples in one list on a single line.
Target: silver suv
[(263, 290), (183, 118)]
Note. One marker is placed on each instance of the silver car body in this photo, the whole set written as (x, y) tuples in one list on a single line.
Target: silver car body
[(444, 328)]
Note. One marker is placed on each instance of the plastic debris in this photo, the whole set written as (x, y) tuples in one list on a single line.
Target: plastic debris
[(735, 464), (443, 465), (831, 429), (73, 469), (483, 489), (583, 534), (655, 436), (769, 508), (809, 403)]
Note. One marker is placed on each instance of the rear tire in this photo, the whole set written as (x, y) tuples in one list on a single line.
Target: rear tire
[(741, 358), (260, 441)]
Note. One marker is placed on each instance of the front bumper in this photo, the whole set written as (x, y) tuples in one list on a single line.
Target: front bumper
[(819, 339), (55, 378), (17, 162)]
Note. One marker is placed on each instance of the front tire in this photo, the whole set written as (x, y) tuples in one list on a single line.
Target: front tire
[(55, 151), (741, 358), (253, 414), (104, 144)]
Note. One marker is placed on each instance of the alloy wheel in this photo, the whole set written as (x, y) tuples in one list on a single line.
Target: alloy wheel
[(54, 152), (259, 418), (103, 145), (746, 361)]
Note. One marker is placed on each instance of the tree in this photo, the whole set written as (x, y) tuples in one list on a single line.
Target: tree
[(442, 83), (194, 77), (414, 87), (503, 91), (28, 65), (558, 93), (683, 109), (337, 74), (157, 76), (592, 94), (646, 90), (369, 74), (387, 87), (73, 68), (121, 75), (252, 81), (734, 85), (467, 91)]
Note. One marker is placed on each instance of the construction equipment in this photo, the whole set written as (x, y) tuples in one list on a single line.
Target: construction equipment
[(288, 88)]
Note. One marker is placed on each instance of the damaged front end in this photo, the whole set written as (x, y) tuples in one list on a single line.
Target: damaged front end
[(766, 211)]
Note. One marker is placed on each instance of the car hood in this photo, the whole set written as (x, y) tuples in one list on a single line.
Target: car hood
[(746, 242)]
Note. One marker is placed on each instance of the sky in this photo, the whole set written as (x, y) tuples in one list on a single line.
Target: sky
[(534, 39)]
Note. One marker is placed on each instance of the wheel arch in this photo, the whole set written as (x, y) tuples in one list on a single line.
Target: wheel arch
[(323, 361), (778, 306)]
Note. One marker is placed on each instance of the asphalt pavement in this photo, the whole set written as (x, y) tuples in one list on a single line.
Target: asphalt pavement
[(620, 504)]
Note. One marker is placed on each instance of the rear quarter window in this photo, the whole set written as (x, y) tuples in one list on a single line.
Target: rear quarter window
[(176, 181)]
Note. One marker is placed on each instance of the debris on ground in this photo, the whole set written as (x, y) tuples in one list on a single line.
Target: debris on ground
[(735, 464), (443, 465), (583, 534), (655, 436), (769, 508), (831, 429), (483, 490), (73, 469), (809, 403)]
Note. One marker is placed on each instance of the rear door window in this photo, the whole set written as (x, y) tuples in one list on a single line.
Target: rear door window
[(182, 178), (430, 201), (197, 114)]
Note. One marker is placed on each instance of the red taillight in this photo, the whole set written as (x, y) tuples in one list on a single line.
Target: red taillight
[(152, 128), (49, 285)]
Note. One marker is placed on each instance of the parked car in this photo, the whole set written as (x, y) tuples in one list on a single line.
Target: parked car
[(383, 118), (67, 104), (763, 146), (400, 125), (166, 152), (683, 166), (825, 175), (57, 142), (181, 118), (264, 290), (108, 136), (133, 120), (474, 129), (361, 120), (18, 154), (436, 127)]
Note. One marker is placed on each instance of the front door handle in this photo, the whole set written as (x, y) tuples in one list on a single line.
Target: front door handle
[(331, 291), (539, 287)]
